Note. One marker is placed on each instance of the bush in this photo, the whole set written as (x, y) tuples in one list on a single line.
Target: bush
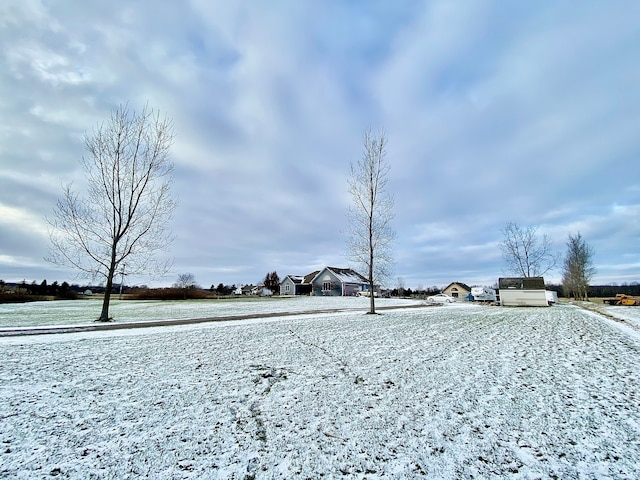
[(21, 298), (67, 295), (167, 294)]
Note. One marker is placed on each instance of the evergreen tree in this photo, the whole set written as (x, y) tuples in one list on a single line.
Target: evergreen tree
[(272, 281)]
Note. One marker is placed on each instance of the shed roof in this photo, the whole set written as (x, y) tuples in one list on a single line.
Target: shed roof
[(521, 283)]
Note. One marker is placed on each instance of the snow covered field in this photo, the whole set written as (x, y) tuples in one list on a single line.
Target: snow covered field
[(82, 312), (458, 391)]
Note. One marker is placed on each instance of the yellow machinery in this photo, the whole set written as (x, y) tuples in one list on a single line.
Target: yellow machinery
[(622, 299)]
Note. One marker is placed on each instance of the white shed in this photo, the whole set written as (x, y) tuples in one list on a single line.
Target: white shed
[(523, 291)]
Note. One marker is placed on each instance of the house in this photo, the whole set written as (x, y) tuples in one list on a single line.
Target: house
[(244, 290), (523, 291), (332, 281), (296, 284), (261, 291), (457, 290)]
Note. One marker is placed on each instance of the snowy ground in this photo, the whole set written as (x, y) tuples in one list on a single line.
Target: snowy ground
[(628, 314), (440, 392), (82, 312)]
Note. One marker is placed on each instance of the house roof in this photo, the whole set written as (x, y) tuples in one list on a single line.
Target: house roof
[(310, 276), (294, 278), (346, 275), (463, 285), (301, 279)]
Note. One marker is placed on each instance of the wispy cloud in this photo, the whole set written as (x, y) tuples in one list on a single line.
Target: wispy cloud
[(494, 113)]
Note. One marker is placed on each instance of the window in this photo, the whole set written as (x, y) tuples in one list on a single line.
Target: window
[(287, 288), (326, 285)]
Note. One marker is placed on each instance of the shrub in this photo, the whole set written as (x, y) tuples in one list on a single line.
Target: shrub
[(167, 294), (21, 298)]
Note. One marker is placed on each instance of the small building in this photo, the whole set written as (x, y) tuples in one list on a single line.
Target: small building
[(332, 281), (297, 284), (523, 291), (261, 291), (457, 290), (244, 290)]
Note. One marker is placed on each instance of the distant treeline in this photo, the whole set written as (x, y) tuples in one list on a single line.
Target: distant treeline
[(136, 293), (603, 291), (33, 292)]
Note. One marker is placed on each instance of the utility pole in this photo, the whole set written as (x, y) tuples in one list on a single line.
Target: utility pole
[(122, 279)]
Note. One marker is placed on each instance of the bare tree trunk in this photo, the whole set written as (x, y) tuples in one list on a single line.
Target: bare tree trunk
[(104, 314), (372, 301)]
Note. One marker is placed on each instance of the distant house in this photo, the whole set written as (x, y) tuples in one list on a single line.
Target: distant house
[(457, 290), (297, 284), (332, 281), (523, 291), (244, 290), (261, 291)]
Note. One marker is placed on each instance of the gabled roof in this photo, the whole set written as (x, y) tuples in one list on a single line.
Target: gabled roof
[(463, 285), (294, 278), (300, 279), (345, 275), (310, 276)]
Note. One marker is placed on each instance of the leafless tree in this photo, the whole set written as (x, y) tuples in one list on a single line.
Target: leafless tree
[(525, 253), (125, 212), (578, 269), (370, 235), (185, 281), (400, 286)]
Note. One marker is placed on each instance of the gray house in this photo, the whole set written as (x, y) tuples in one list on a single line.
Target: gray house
[(332, 281), (297, 284)]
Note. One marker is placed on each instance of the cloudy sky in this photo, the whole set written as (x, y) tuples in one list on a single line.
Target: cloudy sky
[(494, 112)]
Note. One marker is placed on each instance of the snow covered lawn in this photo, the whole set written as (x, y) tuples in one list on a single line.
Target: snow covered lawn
[(83, 312), (440, 392), (630, 315)]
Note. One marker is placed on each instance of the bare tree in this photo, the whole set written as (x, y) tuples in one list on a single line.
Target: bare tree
[(186, 281), (525, 253), (400, 286), (370, 235), (578, 269), (124, 214)]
